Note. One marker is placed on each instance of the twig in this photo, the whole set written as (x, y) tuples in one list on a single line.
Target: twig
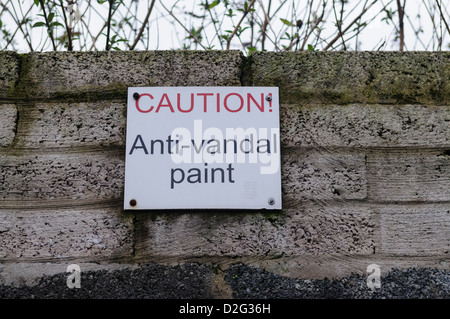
[(442, 16), (182, 25), (109, 24), (349, 26), (434, 25), (401, 12), (359, 30), (19, 24), (239, 24), (143, 25), (266, 22), (94, 40), (339, 22), (49, 30), (313, 27), (214, 23), (69, 32)]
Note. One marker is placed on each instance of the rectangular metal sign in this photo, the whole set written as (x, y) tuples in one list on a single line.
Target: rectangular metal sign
[(202, 147)]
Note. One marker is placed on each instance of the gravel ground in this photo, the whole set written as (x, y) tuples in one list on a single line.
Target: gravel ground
[(191, 281), (412, 283), (149, 281)]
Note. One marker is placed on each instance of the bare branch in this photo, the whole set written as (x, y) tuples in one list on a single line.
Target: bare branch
[(315, 23), (49, 30), (143, 25), (19, 25), (69, 31), (442, 16), (349, 26), (401, 13), (239, 24), (108, 25), (182, 25)]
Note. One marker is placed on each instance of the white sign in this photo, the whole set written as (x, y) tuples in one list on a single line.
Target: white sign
[(202, 147)]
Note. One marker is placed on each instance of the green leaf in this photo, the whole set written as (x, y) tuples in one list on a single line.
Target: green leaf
[(56, 23), (38, 24), (212, 5), (310, 48), (287, 22), (50, 17), (251, 50), (36, 2), (230, 13)]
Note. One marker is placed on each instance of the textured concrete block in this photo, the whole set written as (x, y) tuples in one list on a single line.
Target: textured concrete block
[(59, 177), (365, 125), (108, 74), (347, 77), (365, 161), (310, 230), (319, 174), (415, 230), (8, 120), (62, 124), (404, 175), (65, 233), (9, 73)]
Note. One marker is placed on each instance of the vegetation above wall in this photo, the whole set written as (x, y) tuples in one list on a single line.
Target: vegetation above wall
[(246, 25)]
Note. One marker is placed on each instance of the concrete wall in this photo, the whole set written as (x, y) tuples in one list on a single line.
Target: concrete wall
[(365, 165)]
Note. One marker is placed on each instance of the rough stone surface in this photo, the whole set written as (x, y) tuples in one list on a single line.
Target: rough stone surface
[(9, 73), (8, 120), (313, 229), (45, 235), (320, 174), (109, 74), (404, 175), (62, 176), (60, 124), (365, 125), (345, 77), (415, 230)]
